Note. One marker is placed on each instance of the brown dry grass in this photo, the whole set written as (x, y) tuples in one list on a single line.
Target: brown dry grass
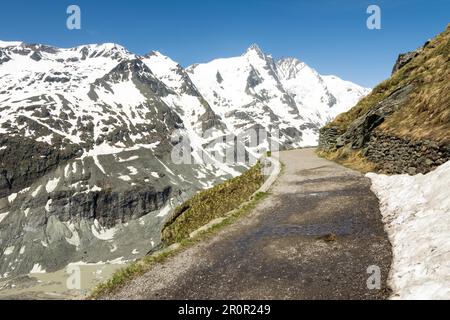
[(426, 114), (350, 159)]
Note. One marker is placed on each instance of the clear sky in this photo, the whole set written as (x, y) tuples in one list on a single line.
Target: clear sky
[(329, 35)]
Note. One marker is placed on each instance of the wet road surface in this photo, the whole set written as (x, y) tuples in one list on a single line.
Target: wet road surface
[(314, 237)]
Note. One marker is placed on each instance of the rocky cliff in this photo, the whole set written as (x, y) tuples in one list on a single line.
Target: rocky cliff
[(403, 125)]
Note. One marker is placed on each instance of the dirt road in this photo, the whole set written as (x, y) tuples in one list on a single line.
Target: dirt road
[(314, 237)]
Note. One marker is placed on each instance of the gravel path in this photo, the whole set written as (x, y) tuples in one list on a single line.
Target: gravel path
[(314, 237)]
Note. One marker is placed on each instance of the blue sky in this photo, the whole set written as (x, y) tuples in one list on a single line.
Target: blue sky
[(329, 35)]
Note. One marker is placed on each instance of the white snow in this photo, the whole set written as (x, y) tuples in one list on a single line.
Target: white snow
[(36, 191), (3, 216), (154, 174), (75, 238), (102, 233), (12, 197), (4, 44), (125, 178), (129, 159), (8, 251), (317, 99), (52, 184), (24, 190), (133, 170), (48, 204), (164, 211), (95, 188), (67, 170), (416, 213), (37, 269), (98, 164)]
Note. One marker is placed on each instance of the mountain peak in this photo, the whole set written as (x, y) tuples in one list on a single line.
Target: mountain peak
[(4, 44), (254, 48)]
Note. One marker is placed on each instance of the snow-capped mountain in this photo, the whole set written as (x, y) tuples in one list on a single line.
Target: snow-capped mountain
[(254, 90), (319, 98), (85, 150), (87, 136)]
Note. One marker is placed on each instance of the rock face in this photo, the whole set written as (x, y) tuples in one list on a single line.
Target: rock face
[(384, 126), (403, 59), (358, 133)]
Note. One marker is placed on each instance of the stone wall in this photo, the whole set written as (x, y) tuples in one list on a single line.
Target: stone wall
[(393, 155), (396, 155), (328, 138)]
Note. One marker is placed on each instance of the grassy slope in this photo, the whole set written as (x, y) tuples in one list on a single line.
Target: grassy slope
[(211, 204), (426, 114), (196, 212)]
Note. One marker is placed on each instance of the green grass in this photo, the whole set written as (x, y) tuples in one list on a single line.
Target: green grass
[(231, 200), (210, 204)]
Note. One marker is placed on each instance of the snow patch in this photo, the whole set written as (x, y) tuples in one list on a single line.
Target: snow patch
[(12, 197), (36, 191), (155, 174), (3, 216), (164, 211), (37, 269), (416, 213), (129, 159), (5, 44), (52, 184), (48, 205), (8, 251), (133, 170), (98, 164), (102, 233)]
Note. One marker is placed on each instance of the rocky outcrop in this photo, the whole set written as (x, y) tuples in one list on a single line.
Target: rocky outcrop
[(93, 208), (403, 59), (403, 125), (23, 160), (390, 154)]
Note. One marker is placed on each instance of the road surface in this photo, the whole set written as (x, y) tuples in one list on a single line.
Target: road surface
[(315, 237)]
